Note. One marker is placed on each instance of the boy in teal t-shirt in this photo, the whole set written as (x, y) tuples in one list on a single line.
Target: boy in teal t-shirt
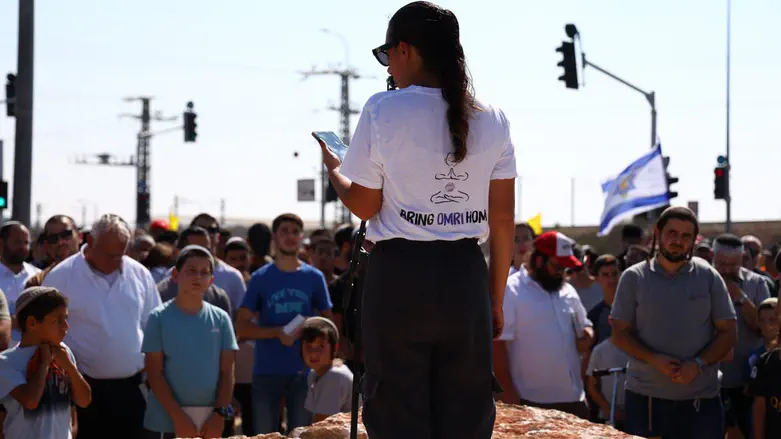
[(190, 353)]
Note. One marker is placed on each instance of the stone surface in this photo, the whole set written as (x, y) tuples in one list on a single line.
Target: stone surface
[(512, 422)]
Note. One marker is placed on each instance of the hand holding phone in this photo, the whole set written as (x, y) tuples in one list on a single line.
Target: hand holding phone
[(333, 148)]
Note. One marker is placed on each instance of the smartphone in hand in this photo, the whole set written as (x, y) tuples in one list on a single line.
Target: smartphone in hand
[(332, 142)]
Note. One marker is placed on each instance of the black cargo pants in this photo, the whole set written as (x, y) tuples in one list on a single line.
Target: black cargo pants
[(427, 331)]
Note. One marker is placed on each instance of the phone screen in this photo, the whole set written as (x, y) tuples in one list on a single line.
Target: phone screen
[(333, 142)]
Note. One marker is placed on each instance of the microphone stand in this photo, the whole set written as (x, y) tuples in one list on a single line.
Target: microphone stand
[(357, 353), (355, 261)]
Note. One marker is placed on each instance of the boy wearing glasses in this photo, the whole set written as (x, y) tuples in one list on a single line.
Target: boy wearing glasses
[(190, 352)]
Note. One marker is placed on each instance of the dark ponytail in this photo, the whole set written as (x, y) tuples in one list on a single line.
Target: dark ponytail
[(435, 33)]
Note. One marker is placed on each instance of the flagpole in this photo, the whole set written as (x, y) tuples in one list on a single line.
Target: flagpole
[(572, 203), (728, 223)]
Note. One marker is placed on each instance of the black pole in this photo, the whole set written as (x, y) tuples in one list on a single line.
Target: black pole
[(23, 151), (357, 345)]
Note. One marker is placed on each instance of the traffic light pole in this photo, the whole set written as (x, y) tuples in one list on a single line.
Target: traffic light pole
[(23, 151), (649, 96)]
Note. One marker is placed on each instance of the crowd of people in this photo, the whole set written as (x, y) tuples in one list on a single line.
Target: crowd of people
[(688, 324), (195, 333), (154, 333)]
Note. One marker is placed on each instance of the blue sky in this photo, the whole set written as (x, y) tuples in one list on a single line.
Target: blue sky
[(238, 60)]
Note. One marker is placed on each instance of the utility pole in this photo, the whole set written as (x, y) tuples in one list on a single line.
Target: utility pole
[(38, 215), (141, 160), (222, 212), (345, 111), (23, 157)]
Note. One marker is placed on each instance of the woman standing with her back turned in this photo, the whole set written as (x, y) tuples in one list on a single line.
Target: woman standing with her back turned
[(432, 170)]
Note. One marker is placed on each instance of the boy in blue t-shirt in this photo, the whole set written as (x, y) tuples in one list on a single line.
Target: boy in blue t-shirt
[(278, 293), (190, 353), (38, 377)]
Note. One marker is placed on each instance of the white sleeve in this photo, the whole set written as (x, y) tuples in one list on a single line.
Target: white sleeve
[(151, 297), (361, 160), (505, 167), (508, 332)]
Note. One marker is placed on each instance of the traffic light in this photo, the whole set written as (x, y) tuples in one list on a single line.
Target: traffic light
[(10, 95), (570, 65), (670, 179), (3, 194), (190, 127), (721, 181), (330, 193)]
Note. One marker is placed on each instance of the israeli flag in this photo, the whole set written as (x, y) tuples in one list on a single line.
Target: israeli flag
[(641, 187)]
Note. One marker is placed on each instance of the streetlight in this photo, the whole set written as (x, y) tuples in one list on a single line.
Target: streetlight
[(344, 43)]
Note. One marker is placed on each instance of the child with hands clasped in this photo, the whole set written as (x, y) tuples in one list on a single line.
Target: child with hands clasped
[(190, 352), (38, 378)]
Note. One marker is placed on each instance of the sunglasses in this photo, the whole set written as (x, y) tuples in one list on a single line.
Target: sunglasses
[(381, 53), (55, 238), (212, 230)]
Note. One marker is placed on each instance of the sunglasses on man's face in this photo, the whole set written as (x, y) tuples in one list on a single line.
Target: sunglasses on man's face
[(54, 238), (381, 53)]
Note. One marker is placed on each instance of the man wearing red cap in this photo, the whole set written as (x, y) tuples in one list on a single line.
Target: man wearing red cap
[(157, 227), (545, 331)]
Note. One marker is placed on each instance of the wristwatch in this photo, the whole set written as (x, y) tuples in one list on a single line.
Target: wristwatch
[(700, 363), (225, 412)]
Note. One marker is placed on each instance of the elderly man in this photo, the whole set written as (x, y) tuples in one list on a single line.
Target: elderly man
[(746, 290), (111, 296)]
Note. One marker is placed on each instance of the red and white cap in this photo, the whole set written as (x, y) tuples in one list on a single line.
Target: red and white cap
[(559, 246)]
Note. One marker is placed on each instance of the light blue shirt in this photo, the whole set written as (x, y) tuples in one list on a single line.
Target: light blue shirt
[(192, 345)]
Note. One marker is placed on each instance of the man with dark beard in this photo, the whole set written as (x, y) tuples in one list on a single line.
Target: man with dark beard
[(537, 357), (14, 271), (674, 317)]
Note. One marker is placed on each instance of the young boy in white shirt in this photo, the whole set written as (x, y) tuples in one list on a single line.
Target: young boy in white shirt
[(330, 381), (38, 377)]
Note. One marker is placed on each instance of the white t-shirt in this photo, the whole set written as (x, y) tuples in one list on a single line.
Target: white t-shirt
[(402, 145)]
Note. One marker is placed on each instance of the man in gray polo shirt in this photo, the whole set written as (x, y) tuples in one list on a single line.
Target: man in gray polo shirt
[(747, 290), (673, 315)]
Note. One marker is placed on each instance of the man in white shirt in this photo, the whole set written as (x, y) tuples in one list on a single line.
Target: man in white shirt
[(14, 271), (537, 357), (110, 298)]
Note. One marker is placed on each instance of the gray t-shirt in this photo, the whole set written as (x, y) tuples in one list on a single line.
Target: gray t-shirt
[(591, 296), (52, 418), (735, 372), (331, 393), (214, 295), (673, 316), (606, 355)]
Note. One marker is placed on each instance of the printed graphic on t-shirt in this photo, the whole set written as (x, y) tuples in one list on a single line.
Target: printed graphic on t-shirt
[(450, 192), (56, 393), (288, 301)]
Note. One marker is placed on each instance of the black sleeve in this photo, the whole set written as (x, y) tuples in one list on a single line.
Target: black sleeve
[(336, 290), (757, 384)]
